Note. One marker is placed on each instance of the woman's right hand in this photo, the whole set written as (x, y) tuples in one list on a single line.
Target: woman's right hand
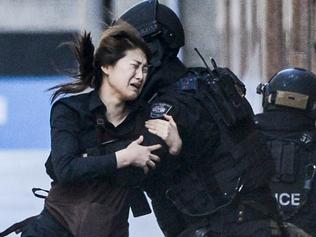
[(137, 155)]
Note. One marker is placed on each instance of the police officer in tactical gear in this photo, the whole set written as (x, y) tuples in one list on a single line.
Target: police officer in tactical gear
[(288, 122), (218, 184)]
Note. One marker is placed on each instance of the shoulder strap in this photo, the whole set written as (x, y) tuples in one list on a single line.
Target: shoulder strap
[(18, 227)]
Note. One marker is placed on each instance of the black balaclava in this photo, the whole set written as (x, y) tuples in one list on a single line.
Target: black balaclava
[(162, 30)]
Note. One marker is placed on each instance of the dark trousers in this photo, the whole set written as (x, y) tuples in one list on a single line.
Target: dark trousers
[(45, 226)]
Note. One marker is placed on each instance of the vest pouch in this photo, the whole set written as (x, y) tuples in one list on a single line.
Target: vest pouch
[(223, 91), (284, 154), (292, 185), (229, 182), (191, 197), (250, 157)]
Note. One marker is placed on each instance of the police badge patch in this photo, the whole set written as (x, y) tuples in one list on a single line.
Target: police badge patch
[(159, 109)]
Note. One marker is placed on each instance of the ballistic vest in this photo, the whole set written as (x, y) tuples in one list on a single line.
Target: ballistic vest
[(241, 162), (293, 152)]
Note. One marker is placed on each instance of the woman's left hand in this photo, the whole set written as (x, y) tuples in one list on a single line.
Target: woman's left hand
[(166, 130)]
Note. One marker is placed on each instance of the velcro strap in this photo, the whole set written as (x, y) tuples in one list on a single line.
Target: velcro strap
[(288, 158), (276, 151)]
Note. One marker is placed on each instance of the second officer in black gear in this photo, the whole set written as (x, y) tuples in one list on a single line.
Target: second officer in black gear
[(218, 184), (288, 121)]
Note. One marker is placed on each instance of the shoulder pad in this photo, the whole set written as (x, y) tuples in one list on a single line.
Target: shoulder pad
[(189, 82)]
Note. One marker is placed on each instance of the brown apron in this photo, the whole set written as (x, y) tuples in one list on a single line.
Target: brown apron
[(95, 209)]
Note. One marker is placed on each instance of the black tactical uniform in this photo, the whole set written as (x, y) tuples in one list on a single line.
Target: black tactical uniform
[(209, 168), (288, 122), (218, 185)]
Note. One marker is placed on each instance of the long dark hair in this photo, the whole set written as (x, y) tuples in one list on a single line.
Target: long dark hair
[(115, 41)]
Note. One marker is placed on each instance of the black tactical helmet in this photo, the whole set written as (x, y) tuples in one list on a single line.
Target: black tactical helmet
[(159, 26), (290, 88)]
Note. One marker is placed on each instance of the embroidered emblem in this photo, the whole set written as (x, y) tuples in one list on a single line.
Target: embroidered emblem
[(188, 83), (159, 109)]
